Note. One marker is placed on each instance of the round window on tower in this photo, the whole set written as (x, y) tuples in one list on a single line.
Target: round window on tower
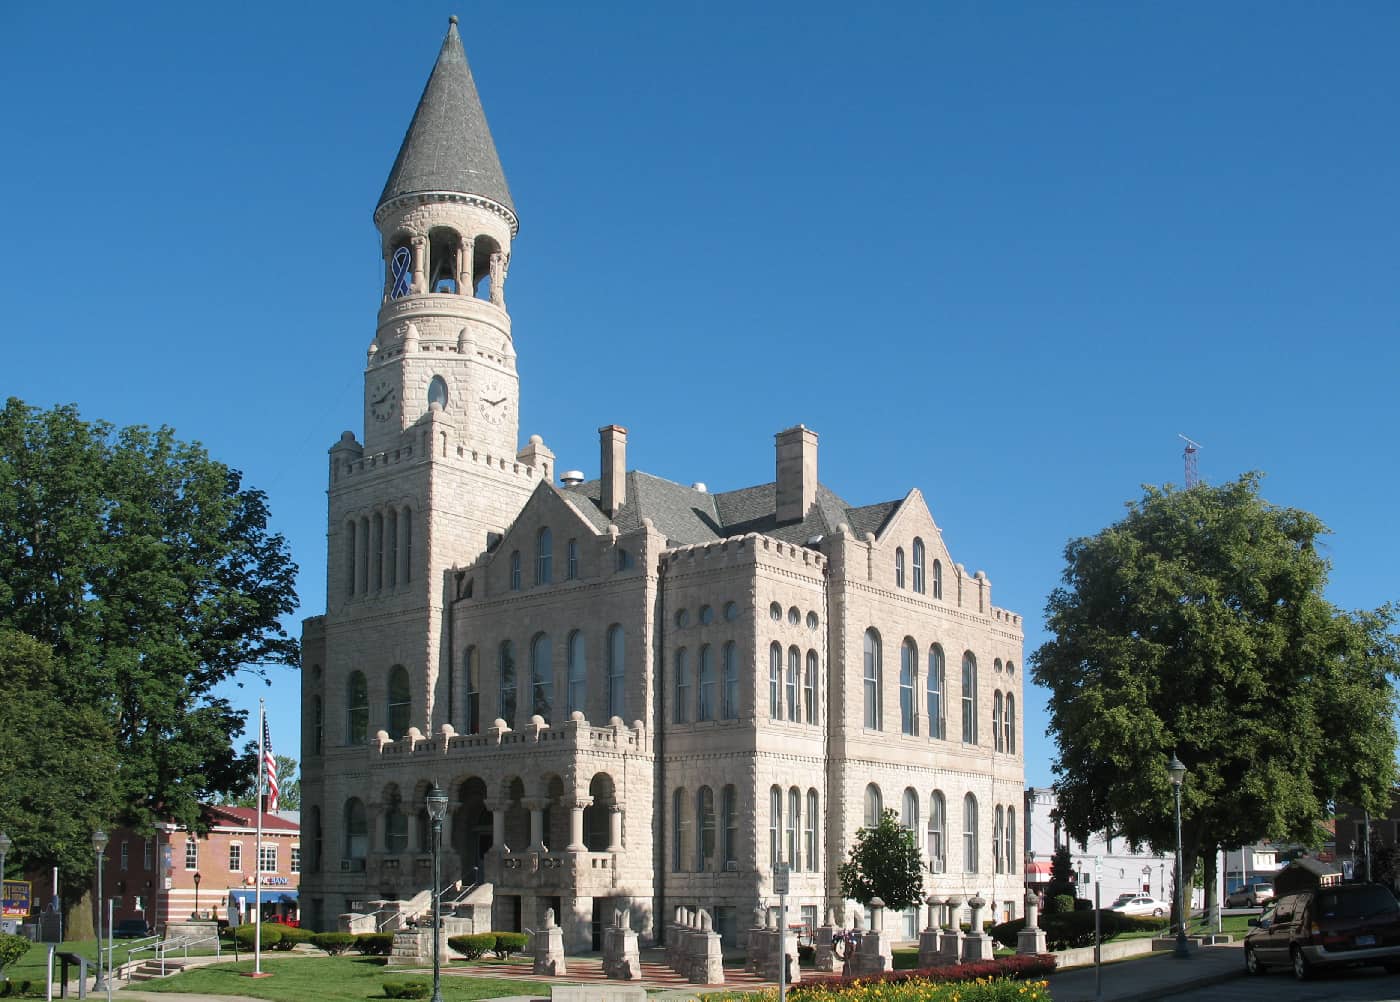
[(437, 392)]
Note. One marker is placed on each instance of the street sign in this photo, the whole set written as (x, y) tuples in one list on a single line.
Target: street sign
[(14, 899), (780, 879)]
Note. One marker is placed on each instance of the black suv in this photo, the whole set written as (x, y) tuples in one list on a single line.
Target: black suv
[(1345, 924)]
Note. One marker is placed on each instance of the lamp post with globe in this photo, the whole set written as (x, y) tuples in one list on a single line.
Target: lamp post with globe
[(1177, 773), (437, 810), (99, 846)]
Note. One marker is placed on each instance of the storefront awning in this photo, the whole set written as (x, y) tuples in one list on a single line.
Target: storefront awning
[(1037, 868), (270, 895)]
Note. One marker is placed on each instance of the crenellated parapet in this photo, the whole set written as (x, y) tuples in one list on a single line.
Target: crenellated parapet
[(748, 548)]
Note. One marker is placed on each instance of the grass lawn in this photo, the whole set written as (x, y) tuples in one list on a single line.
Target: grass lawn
[(328, 979)]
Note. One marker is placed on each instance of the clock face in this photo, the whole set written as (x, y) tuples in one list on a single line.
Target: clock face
[(383, 400), (494, 403)]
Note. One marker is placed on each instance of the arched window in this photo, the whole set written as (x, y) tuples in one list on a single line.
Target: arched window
[(1008, 720), (544, 557), (571, 565), (794, 676), (677, 830), (542, 676), (705, 708), (794, 821), (775, 825), (874, 806), (873, 716), (908, 669), (731, 682), (356, 709), (937, 828), (969, 698), (400, 702), (472, 670), (395, 827), (578, 672), (729, 815), (937, 579), (996, 722), (899, 567), (998, 833), (506, 666), (775, 680), (514, 570), (616, 672), (937, 686), (918, 565), (1011, 840), (680, 711), (444, 255), (705, 830), (356, 831), (351, 530), (970, 834), (318, 725), (812, 860), (809, 688), (909, 811)]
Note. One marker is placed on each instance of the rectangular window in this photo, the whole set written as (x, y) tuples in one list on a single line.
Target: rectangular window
[(775, 681), (809, 688), (793, 672), (731, 682), (191, 854), (125, 856), (680, 709), (267, 858), (296, 859), (148, 856), (809, 918), (705, 707), (572, 571), (235, 857), (616, 672)]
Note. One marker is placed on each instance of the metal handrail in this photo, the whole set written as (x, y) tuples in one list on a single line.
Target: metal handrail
[(184, 943), (154, 944)]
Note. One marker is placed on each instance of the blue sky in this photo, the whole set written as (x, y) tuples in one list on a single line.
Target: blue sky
[(1003, 253)]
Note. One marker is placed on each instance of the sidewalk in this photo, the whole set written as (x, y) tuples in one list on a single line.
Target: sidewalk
[(1151, 977)]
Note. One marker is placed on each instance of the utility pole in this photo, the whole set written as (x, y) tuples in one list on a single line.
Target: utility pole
[(1193, 476)]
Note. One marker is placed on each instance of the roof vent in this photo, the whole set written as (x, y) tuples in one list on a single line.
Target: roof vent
[(699, 485), (813, 540), (571, 478)]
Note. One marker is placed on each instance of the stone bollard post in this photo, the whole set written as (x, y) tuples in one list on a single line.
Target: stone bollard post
[(950, 943), (977, 945), (1031, 938), (929, 939), (825, 944), (549, 947)]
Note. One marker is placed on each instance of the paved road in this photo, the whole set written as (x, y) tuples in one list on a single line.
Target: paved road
[(1358, 984)]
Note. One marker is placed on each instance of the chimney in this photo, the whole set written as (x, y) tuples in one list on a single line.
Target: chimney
[(797, 473), (613, 441)]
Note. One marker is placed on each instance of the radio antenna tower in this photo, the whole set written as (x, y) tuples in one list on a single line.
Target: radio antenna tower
[(1193, 476)]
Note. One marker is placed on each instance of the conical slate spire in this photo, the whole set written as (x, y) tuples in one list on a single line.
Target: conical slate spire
[(448, 146)]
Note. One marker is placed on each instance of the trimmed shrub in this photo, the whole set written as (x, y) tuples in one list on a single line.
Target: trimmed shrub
[(473, 946), (1058, 903), (246, 935), (1068, 930), (12, 948), (406, 989), (291, 936), (508, 943), (374, 944), (333, 943)]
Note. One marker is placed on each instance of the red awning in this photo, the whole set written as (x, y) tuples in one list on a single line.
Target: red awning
[(1037, 868)]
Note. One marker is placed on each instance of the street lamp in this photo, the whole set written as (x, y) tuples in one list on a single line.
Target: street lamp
[(437, 810), (5, 844), (1177, 773), (197, 879), (99, 846)]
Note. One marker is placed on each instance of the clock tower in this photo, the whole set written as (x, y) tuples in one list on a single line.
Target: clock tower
[(437, 473)]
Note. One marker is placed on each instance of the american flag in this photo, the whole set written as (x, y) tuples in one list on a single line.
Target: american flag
[(270, 767)]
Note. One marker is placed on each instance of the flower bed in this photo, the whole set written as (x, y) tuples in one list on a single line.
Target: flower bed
[(1022, 967)]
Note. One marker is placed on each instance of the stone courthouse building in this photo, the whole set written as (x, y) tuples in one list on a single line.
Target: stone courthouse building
[(635, 692)]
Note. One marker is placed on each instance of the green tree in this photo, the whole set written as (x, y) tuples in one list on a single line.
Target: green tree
[(288, 785), (149, 572), (884, 862), (1062, 879), (1197, 625)]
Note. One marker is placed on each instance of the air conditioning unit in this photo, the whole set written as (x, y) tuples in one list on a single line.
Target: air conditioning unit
[(731, 866)]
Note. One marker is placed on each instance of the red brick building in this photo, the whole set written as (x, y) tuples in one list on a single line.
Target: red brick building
[(155, 877)]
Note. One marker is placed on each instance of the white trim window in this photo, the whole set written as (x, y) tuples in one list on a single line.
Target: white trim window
[(191, 853), (267, 857), (235, 857)]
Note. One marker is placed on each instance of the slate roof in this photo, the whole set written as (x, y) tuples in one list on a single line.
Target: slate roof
[(448, 145), (687, 516)]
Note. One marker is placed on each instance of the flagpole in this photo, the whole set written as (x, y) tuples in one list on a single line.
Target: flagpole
[(257, 854)]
